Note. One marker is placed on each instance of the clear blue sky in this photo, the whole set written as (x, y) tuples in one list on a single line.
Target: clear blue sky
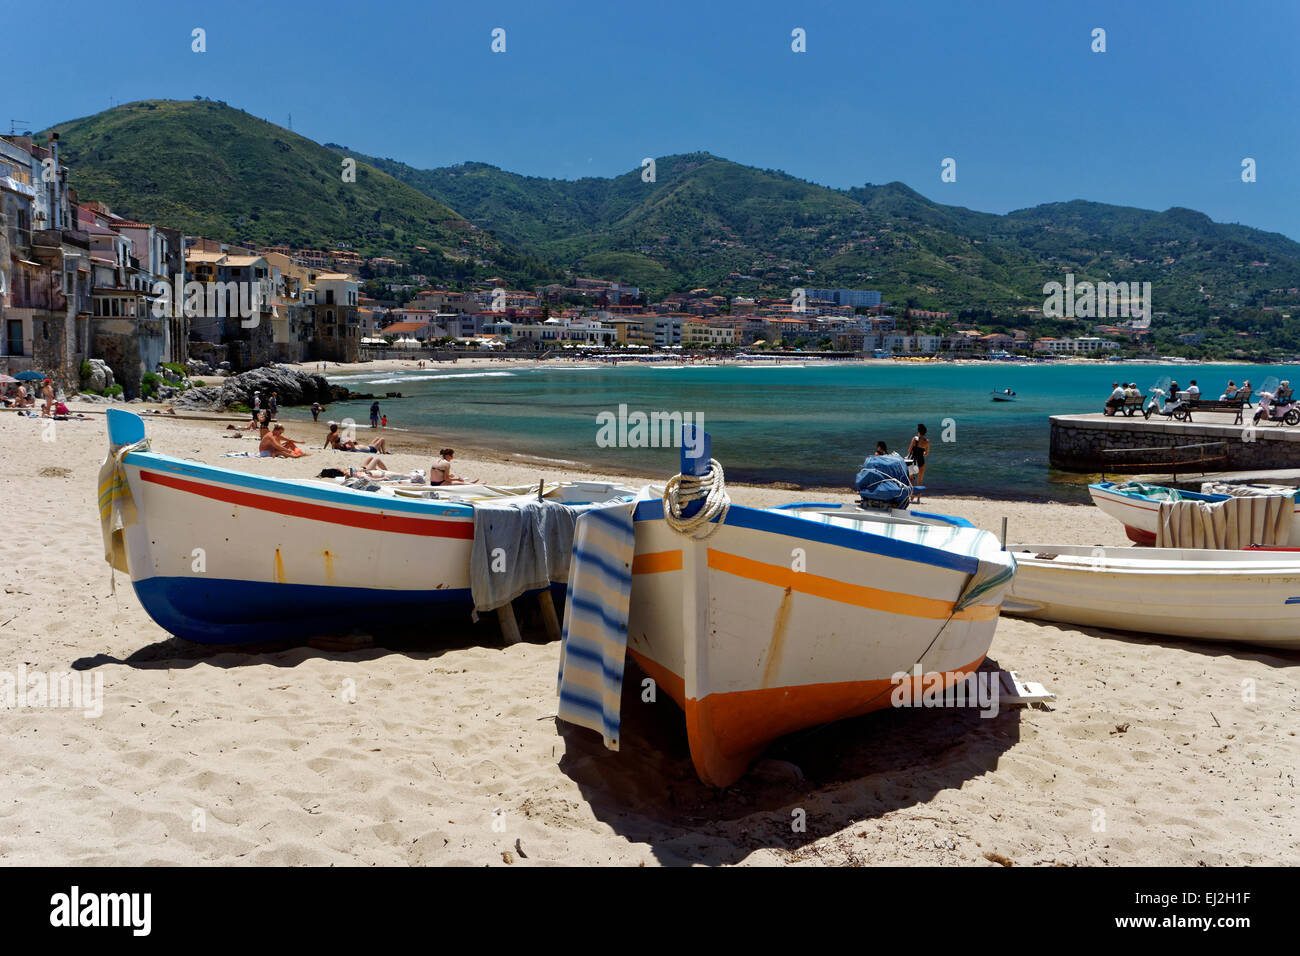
[(885, 91)]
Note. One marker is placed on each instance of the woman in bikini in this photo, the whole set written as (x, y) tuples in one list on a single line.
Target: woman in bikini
[(440, 471), (338, 443), (917, 450)]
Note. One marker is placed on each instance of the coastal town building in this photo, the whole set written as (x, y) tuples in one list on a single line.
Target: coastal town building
[(45, 266)]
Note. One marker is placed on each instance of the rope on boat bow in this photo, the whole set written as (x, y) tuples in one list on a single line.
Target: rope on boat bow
[(682, 490)]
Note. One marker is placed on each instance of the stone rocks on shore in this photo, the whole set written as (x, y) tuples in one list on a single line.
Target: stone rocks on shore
[(100, 377), (292, 386)]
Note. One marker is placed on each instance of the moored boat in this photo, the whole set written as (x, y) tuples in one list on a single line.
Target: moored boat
[(761, 622), (1003, 395), (223, 557), (1248, 597), (1137, 506)]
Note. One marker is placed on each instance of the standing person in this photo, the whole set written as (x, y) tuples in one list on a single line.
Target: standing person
[(374, 415), (315, 411), (917, 451), (383, 422), (47, 393), (273, 404)]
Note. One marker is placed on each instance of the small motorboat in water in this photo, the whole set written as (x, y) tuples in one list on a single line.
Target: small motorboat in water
[(1004, 395)]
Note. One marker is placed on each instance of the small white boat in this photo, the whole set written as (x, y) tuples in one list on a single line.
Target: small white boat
[(1003, 395), (1247, 597), (1137, 506)]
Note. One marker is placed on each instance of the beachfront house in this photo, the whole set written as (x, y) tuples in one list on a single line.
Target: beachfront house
[(45, 272)]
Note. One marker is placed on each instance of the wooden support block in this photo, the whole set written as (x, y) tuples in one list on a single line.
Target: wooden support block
[(550, 620), (509, 626)]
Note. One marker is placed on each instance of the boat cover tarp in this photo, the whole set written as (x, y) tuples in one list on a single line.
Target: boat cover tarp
[(1154, 492), (884, 478), (594, 642), (1232, 524), (1245, 491), (520, 546)]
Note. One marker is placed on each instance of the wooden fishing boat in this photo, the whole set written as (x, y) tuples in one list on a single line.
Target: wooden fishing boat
[(221, 556), (1247, 597), (761, 622), (1137, 507)]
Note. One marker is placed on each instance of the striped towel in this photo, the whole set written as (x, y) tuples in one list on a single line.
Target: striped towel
[(116, 506), (595, 619)]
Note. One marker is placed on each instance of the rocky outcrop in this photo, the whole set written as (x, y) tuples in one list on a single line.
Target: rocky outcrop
[(292, 387), (100, 377)]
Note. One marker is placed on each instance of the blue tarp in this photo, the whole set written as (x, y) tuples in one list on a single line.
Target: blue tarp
[(884, 478)]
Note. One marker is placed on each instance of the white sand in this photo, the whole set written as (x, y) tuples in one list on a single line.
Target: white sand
[(264, 757)]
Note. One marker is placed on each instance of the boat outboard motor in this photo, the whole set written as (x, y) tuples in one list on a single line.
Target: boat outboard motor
[(883, 482)]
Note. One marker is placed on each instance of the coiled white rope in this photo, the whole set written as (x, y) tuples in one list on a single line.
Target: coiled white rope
[(681, 490)]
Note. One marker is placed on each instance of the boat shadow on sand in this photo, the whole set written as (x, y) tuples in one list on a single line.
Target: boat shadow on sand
[(842, 776), (414, 641)]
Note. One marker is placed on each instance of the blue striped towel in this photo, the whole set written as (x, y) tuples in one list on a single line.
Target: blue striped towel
[(595, 619)]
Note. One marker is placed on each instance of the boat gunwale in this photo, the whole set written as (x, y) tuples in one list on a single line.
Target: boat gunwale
[(854, 539)]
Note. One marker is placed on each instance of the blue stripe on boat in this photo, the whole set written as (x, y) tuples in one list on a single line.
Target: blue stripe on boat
[(227, 611), (853, 539)]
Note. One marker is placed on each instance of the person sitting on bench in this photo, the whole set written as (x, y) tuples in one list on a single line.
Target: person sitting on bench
[(1116, 399)]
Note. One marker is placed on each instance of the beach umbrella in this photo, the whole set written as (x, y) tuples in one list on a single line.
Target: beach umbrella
[(31, 377), (6, 379)]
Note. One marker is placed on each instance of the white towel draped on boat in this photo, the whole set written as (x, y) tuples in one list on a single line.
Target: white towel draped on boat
[(1232, 524), (594, 644)]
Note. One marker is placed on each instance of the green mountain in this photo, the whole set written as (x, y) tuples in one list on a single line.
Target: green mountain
[(709, 222), (215, 171), (212, 170)]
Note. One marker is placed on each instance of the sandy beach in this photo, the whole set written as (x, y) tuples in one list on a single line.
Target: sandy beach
[(445, 751)]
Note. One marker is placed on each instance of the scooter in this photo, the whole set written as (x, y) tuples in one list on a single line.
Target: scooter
[(1286, 411), (1174, 406)]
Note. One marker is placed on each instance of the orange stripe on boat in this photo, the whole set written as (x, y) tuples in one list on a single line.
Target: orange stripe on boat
[(727, 732), (657, 561), (781, 576), (297, 508)]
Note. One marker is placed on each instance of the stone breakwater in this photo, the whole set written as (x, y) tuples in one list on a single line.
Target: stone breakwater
[(1078, 441)]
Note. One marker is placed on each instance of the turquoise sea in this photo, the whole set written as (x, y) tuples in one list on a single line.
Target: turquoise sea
[(810, 425)]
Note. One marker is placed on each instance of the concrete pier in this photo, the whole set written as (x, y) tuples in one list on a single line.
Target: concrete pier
[(1078, 441)]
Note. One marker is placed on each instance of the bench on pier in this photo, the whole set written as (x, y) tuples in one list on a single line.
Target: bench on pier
[(1184, 414), (1130, 407)]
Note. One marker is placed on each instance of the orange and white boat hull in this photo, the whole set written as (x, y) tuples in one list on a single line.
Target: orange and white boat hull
[(780, 622)]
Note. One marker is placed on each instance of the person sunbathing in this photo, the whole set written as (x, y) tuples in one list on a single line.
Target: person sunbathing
[(275, 445), (336, 441), (440, 471)]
